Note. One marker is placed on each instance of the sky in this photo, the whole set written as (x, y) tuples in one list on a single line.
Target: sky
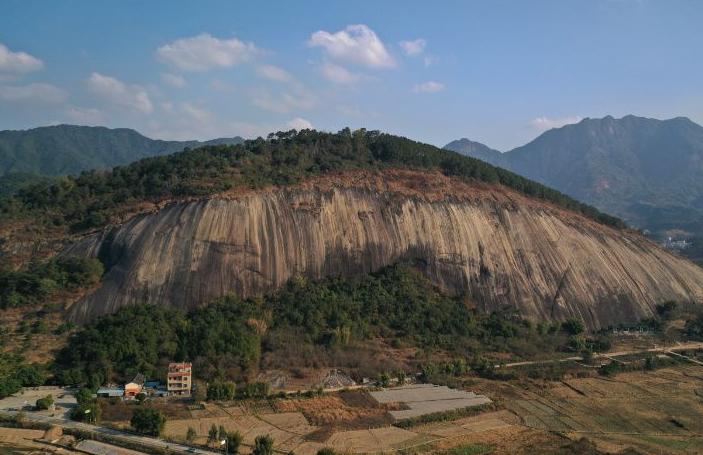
[(494, 71)]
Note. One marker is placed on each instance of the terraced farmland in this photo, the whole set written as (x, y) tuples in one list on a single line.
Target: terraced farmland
[(650, 411)]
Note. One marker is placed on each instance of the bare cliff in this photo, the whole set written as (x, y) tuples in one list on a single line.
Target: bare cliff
[(489, 243)]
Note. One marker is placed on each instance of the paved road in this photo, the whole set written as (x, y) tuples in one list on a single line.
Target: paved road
[(662, 349), (115, 435)]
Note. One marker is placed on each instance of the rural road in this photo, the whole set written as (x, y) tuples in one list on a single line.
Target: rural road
[(116, 435), (662, 349)]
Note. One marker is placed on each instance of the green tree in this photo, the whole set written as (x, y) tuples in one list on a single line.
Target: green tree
[(222, 433), (212, 435), (87, 411), (221, 390), (148, 421), (191, 435), (232, 442), (573, 326), (263, 445), (45, 403), (666, 309)]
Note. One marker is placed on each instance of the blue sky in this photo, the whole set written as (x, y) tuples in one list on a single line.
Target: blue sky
[(499, 72)]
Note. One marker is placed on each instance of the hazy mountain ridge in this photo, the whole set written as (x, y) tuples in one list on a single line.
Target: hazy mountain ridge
[(69, 149), (647, 171), (476, 150)]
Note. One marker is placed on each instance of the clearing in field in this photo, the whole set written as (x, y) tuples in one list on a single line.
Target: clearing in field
[(423, 399)]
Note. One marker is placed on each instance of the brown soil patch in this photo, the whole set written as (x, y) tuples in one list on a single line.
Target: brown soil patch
[(121, 411), (332, 412), (358, 399)]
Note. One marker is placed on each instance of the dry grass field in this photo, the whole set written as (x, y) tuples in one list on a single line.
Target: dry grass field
[(653, 412)]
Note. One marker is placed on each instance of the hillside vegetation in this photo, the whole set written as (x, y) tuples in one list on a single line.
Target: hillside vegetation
[(93, 198), (42, 280), (304, 322)]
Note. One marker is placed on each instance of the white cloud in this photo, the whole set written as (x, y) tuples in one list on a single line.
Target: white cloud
[(339, 74), (13, 63), (299, 124), (429, 60), (545, 123), (222, 86), (173, 80), (196, 113), (204, 52), (184, 121), (357, 44), (284, 102), (414, 47), (37, 93), (117, 92), (428, 87), (84, 115), (274, 73)]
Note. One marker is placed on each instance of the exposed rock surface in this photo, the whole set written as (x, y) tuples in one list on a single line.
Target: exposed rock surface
[(492, 244)]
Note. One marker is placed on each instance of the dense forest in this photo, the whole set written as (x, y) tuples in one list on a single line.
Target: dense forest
[(92, 198), (229, 338), (14, 374), (42, 280)]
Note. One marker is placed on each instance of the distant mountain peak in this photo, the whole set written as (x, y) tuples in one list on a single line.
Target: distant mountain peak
[(645, 170), (475, 149)]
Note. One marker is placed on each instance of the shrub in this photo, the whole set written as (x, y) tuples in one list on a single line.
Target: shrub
[(212, 434), (232, 442), (573, 326), (45, 403), (666, 309), (263, 445), (609, 369), (220, 390), (191, 435), (148, 421)]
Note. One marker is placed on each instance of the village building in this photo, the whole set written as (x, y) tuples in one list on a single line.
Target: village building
[(110, 392), (134, 388), (179, 378)]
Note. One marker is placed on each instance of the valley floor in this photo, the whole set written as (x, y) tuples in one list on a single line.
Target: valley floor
[(655, 412), (647, 412)]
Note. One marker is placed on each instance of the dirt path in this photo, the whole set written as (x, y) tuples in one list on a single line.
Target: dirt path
[(607, 355)]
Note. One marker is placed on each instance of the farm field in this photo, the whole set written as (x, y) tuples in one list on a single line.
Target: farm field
[(16, 441), (654, 412), (348, 421)]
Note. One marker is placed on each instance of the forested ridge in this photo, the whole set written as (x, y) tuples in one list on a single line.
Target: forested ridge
[(38, 154), (92, 198)]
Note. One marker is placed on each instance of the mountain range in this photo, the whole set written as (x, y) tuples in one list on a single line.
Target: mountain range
[(648, 172), (33, 155)]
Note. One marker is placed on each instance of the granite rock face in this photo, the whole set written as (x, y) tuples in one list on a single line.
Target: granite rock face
[(490, 244)]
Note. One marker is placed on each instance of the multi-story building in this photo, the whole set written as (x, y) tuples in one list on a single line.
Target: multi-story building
[(179, 378)]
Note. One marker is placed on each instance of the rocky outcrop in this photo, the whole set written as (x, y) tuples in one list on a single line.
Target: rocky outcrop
[(488, 243)]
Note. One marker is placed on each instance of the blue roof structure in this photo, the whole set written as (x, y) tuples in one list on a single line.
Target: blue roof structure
[(110, 392)]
